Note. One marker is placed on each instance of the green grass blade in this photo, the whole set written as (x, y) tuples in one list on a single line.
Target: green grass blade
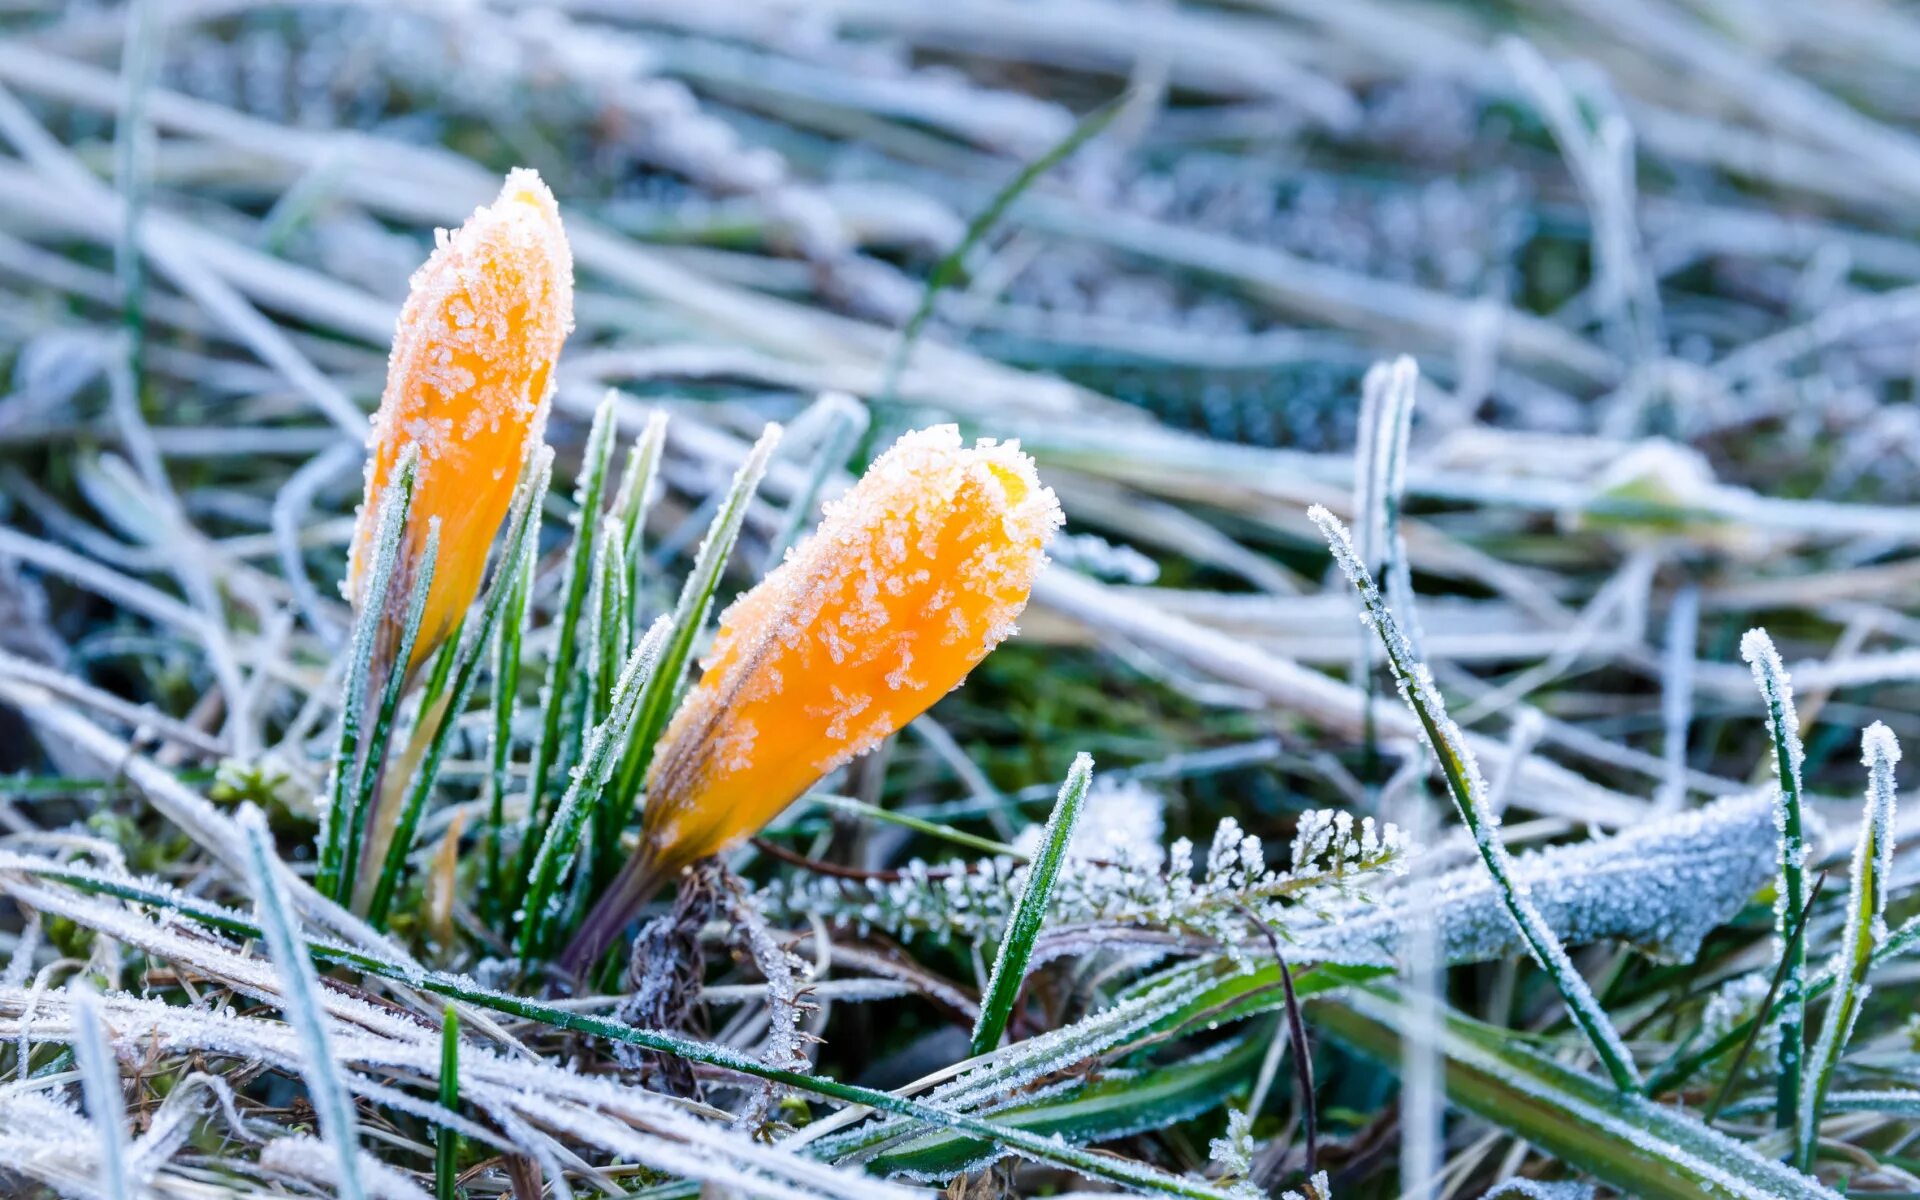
[(933, 829), (1783, 729), (1902, 1103), (690, 618), (637, 490), (613, 624), (336, 814), (948, 269), (446, 1148), (365, 797), (1469, 792), (589, 489), (300, 1000), (506, 696), (1641, 1148), (603, 751), (1682, 1068), (1387, 396), (1024, 922), (1866, 912), (610, 623), (515, 560), (1767, 1004)]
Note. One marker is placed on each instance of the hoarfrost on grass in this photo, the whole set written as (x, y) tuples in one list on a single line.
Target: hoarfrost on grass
[(1127, 883)]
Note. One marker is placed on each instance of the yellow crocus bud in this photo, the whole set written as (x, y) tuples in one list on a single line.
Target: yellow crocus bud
[(468, 383), (912, 578)]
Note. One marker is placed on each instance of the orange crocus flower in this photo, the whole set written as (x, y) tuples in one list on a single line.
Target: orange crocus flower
[(912, 578), (467, 383)]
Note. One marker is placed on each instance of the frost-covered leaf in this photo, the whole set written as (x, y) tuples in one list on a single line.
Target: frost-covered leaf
[(1636, 1145), (1661, 886)]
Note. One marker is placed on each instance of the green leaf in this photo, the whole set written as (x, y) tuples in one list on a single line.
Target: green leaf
[(1639, 1147), (1783, 731), (506, 696), (342, 786), (446, 1148), (1024, 922), (562, 672), (604, 747), (366, 794), (613, 623), (1866, 912), (690, 617)]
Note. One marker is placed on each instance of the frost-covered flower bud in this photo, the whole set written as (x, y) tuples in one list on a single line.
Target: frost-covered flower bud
[(468, 383), (912, 578)]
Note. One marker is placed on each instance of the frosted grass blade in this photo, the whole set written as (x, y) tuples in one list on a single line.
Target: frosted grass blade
[(1101, 1111), (367, 792), (1135, 1175), (301, 1002), (635, 499), (336, 815), (506, 696), (100, 1084), (446, 1147), (603, 750), (613, 622), (1682, 1068), (589, 490), (1783, 730), (1865, 925), (848, 420), (1023, 924), (1210, 993), (1639, 1147), (690, 617), (1469, 792)]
